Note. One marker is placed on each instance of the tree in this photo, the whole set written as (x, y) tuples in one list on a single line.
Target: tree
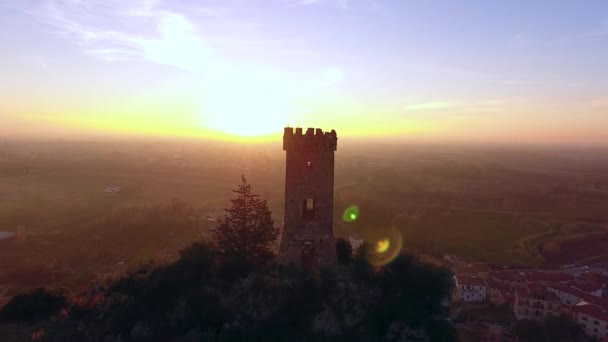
[(344, 250), (247, 233), (554, 329), (33, 305)]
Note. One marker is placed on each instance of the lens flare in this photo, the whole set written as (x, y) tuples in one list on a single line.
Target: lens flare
[(387, 248), (383, 245), (351, 214)]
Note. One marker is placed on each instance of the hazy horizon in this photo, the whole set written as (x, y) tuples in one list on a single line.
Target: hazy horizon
[(472, 72)]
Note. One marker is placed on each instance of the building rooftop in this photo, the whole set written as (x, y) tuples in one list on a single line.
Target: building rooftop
[(539, 292), (470, 280), (586, 286), (589, 298), (546, 277), (507, 276), (593, 311), (502, 287)]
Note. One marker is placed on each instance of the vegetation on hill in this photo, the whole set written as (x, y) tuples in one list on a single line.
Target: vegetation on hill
[(247, 234), (553, 329), (33, 305), (507, 205), (204, 296), (207, 295)]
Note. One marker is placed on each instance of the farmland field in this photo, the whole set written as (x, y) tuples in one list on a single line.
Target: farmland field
[(495, 204)]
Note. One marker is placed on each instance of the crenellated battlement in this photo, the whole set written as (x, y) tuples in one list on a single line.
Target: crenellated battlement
[(312, 137)]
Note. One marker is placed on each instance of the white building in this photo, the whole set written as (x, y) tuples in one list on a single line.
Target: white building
[(593, 289), (593, 319), (355, 243), (571, 295), (567, 295), (470, 289), (536, 303)]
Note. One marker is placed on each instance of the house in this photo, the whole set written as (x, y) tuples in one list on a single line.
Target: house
[(470, 289), (355, 243), (512, 278), (571, 295), (593, 319), (601, 279), (500, 293), (535, 303), (472, 269), (591, 288), (546, 278)]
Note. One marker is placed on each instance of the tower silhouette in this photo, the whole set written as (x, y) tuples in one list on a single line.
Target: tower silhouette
[(308, 237)]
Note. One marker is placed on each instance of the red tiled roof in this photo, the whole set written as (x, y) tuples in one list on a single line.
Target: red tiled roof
[(471, 281), (503, 288), (598, 278), (546, 277), (533, 287), (535, 290), (471, 269), (593, 311), (586, 286), (578, 293), (507, 276)]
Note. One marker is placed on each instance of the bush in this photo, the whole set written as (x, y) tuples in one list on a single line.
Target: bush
[(33, 305), (344, 250), (553, 329)]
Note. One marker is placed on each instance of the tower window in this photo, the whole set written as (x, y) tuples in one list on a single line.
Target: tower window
[(309, 208)]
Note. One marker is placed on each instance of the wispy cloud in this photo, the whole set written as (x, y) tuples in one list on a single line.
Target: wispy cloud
[(145, 31), (477, 106)]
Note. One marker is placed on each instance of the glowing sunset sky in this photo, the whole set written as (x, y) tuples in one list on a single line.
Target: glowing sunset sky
[(522, 71)]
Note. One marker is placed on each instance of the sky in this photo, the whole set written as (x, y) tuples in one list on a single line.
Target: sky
[(480, 71)]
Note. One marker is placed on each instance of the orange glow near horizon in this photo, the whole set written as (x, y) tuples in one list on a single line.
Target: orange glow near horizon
[(243, 72)]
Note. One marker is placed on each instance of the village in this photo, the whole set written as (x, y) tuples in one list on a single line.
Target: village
[(500, 296)]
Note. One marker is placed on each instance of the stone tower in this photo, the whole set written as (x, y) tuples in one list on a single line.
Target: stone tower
[(308, 237)]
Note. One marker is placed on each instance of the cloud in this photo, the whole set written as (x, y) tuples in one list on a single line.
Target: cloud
[(476, 106), (112, 30), (144, 31), (140, 30)]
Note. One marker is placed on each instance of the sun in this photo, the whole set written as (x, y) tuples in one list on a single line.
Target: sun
[(248, 109)]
